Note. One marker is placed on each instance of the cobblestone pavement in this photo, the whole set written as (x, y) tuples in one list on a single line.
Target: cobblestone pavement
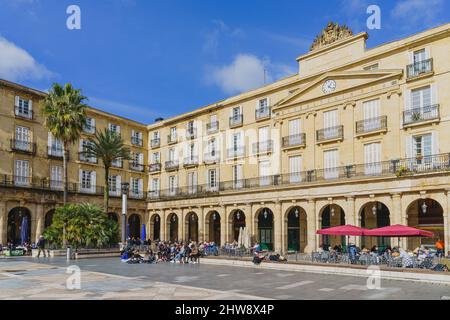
[(108, 278)]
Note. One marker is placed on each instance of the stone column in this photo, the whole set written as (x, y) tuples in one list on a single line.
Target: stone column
[(201, 224), (318, 224), (397, 217), (181, 227), (311, 220), (351, 217), (3, 223), (163, 225), (223, 225), (278, 245), (39, 221), (447, 225), (249, 222)]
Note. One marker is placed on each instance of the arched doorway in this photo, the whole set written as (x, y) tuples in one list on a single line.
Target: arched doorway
[(237, 222), (333, 216), (265, 229), (48, 221), (375, 215), (296, 229), (17, 218), (156, 227), (192, 227), (134, 224), (214, 227), (173, 227), (426, 214)]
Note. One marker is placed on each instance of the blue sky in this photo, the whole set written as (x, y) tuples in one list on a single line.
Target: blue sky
[(145, 58)]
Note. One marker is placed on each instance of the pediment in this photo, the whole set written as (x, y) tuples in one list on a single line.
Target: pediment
[(345, 81)]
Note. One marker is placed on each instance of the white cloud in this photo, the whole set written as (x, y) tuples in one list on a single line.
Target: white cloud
[(220, 30), (247, 72), (17, 64), (418, 11)]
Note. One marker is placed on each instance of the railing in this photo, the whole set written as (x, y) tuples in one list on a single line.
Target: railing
[(295, 140), (330, 133), (418, 115), (155, 143), (23, 146), (392, 169), (212, 127), (89, 129), (136, 141), (211, 158), (153, 195), (191, 133), (190, 161), (154, 167), (82, 156), (172, 139), (117, 164), (418, 68), (371, 125), (236, 152), (262, 113), (136, 195), (236, 120), (134, 166), (23, 113), (172, 165), (55, 152), (263, 147)]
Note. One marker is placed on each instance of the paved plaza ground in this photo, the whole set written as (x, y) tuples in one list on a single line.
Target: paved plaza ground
[(108, 278)]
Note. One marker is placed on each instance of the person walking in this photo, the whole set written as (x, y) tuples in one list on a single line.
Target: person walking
[(41, 246)]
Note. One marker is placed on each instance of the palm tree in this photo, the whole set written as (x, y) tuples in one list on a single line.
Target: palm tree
[(108, 146), (65, 115)]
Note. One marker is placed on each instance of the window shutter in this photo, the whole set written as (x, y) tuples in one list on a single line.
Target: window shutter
[(434, 95), (119, 183), (30, 105), (93, 181), (17, 101), (407, 96), (141, 158), (411, 57), (133, 133), (409, 147), (49, 139), (118, 129), (81, 145), (427, 53), (80, 177), (141, 186), (435, 142), (93, 123)]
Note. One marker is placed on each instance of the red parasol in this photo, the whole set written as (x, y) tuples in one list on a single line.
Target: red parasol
[(347, 230), (399, 231)]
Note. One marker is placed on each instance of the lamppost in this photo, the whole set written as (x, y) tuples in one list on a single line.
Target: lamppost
[(125, 188)]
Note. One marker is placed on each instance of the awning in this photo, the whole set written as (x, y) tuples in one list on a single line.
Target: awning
[(347, 230), (399, 231)]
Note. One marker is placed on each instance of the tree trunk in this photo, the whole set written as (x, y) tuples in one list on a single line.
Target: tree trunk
[(65, 174), (106, 191)]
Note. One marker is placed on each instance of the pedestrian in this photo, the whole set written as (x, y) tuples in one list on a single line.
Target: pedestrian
[(41, 246)]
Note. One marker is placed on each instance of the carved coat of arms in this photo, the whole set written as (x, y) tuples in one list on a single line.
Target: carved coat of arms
[(332, 33)]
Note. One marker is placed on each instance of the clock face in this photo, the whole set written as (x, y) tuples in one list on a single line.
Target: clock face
[(329, 86)]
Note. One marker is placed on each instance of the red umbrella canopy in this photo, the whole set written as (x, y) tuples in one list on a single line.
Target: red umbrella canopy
[(399, 230), (347, 230)]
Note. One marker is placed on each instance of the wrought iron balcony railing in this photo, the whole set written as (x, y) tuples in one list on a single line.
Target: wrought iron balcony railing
[(296, 140), (156, 142), (211, 157), (263, 147), (55, 152), (236, 152), (136, 141), (155, 167), (418, 68), (333, 133), (421, 114), (135, 166), (191, 133), (22, 146), (236, 120), (371, 125), (212, 127), (172, 138), (89, 129), (191, 161), (82, 156), (23, 113), (172, 165), (262, 113)]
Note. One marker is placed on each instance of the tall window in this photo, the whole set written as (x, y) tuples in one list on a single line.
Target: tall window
[(22, 172), (192, 182), (371, 111), (154, 187), (294, 127), (330, 160), (23, 138), (372, 158), (237, 176), (419, 56), (56, 177), (89, 127), (295, 168), (172, 154), (263, 103), (213, 184), (137, 187), (87, 181), (156, 158), (114, 128), (330, 123), (23, 107), (173, 134), (172, 185), (264, 172), (115, 182)]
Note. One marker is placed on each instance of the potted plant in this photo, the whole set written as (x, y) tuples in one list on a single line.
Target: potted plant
[(401, 171)]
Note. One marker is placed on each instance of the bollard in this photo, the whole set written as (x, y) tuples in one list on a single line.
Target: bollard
[(69, 253)]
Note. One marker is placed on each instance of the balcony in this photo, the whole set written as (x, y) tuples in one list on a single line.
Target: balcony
[(153, 195), (25, 147), (54, 152), (330, 134), (293, 141), (419, 68), (155, 143), (172, 138), (190, 162), (172, 165), (236, 152), (211, 157), (83, 157), (263, 147), (136, 141), (191, 133), (262, 113), (212, 127), (135, 166), (137, 195), (236, 121), (154, 167), (421, 115), (23, 113), (89, 129), (373, 125), (118, 163)]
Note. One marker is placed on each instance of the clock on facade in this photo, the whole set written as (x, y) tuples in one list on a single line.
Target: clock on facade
[(329, 86)]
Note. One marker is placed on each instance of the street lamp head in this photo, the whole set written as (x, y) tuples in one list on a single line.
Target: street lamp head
[(374, 209), (424, 208), (125, 187)]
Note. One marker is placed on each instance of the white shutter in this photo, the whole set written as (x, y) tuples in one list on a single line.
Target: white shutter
[(93, 181), (93, 123), (119, 184), (30, 105), (371, 109), (17, 101), (81, 145), (407, 97), (141, 186), (435, 142), (409, 146), (141, 158), (411, 57), (427, 53), (434, 95), (133, 133), (294, 127), (80, 178), (49, 139)]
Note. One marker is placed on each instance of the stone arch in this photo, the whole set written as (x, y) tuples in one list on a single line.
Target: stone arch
[(332, 215), (426, 214), (296, 235), (237, 219), (172, 226), (191, 222), (374, 214), (134, 226), (155, 226), (213, 223), (16, 220), (265, 218)]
